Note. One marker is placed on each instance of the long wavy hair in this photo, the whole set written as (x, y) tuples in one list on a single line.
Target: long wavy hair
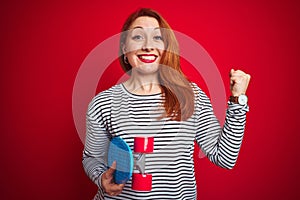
[(176, 88)]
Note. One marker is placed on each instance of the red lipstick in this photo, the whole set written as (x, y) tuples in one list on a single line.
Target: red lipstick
[(147, 58)]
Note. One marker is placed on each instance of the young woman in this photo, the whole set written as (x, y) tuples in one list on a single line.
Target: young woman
[(159, 101)]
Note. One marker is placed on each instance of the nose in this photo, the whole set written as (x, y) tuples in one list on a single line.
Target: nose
[(148, 45)]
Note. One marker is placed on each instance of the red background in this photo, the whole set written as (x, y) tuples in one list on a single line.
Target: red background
[(43, 44)]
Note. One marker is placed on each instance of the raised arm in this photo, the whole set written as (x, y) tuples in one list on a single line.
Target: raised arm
[(222, 145)]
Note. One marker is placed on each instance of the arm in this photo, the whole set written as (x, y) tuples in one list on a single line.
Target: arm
[(95, 152), (222, 145), (96, 144)]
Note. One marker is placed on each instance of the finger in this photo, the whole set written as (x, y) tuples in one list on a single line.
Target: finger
[(236, 79), (231, 82), (248, 76), (116, 189), (240, 75), (231, 72), (240, 80), (109, 173), (237, 74)]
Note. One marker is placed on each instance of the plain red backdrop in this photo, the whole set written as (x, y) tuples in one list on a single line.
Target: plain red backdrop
[(43, 44)]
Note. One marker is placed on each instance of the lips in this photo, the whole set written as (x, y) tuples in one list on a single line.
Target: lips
[(147, 58)]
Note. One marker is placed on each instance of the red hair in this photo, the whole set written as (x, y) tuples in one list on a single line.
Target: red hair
[(176, 88)]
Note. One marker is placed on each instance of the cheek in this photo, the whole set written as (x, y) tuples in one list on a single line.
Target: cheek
[(160, 47), (130, 55), (132, 59), (161, 52), (133, 46)]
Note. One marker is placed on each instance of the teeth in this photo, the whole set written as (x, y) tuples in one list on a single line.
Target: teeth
[(147, 57)]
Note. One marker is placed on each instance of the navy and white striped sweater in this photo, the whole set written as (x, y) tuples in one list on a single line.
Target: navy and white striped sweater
[(117, 112)]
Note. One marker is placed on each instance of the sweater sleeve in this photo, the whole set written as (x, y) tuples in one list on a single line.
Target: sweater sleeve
[(94, 158), (220, 145)]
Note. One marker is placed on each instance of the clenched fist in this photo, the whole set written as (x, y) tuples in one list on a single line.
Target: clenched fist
[(239, 82)]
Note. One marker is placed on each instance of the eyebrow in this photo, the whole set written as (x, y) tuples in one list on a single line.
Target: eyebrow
[(136, 27)]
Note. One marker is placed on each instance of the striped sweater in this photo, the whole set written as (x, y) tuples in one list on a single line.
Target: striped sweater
[(117, 112)]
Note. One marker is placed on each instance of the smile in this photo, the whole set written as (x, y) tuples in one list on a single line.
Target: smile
[(147, 58)]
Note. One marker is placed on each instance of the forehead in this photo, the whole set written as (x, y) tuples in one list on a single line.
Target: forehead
[(145, 22)]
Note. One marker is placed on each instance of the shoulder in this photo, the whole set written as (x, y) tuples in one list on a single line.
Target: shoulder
[(199, 93), (103, 99), (201, 99)]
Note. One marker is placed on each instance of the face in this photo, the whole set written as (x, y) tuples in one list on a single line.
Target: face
[(144, 45)]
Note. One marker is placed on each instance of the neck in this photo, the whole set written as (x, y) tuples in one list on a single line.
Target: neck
[(142, 84)]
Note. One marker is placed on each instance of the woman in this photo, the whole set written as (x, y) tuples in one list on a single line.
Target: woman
[(158, 100)]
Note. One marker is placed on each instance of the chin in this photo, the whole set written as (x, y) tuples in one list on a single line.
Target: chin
[(148, 68)]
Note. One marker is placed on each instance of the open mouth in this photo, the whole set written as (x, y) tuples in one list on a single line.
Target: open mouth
[(147, 58)]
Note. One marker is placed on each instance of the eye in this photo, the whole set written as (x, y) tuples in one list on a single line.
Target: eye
[(158, 37), (137, 37)]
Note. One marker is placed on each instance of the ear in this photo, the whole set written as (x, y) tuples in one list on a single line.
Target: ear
[(123, 48)]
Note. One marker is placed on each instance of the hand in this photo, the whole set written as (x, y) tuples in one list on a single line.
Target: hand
[(239, 82), (107, 181)]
